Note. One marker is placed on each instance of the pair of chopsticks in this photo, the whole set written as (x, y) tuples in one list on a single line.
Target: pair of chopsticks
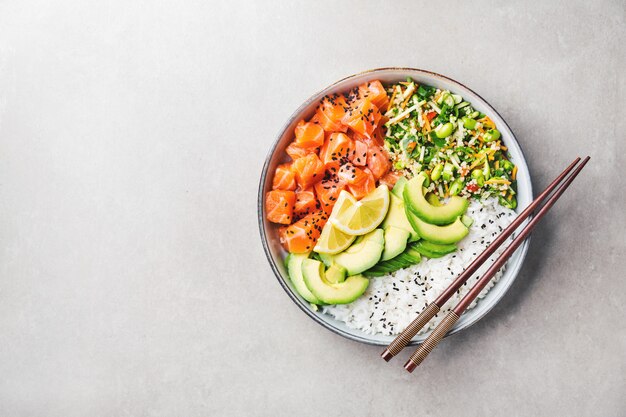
[(403, 339)]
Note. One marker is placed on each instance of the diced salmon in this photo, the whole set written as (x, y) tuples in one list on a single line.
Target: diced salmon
[(359, 155), (379, 135), (295, 151), (306, 203), (377, 138), (279, 206), (390, 179), (378, 161), (328, 124), (330, 112), (309, 135), (309, 169), (284, 178), (335, 106), (363, 187), (301, 236), (340, 147), (328, 191), (315, 119), (375, 92), (350, 174), (362, 118), (337, 148)]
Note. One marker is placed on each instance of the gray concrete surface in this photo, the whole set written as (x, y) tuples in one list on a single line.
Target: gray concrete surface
[(132, 278)]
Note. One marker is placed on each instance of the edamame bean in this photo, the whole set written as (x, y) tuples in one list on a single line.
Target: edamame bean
[(474, 115), (477, 174), (436, 174), (469, 123), (491, 135), (448, 171), (444, 130), (456, 186), (448, 99), (512, 203), (398, 165), (507, 165)]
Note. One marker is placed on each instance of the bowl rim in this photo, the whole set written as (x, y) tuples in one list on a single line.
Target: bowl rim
[(522, 250)]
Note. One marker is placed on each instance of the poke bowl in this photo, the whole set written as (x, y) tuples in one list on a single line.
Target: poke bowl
[(379, 190)]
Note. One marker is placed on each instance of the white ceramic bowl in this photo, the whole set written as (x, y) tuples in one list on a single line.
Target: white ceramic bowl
[(269, 232)]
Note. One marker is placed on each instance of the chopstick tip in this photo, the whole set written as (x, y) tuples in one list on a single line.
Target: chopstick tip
[(410, 366), (386, 355)]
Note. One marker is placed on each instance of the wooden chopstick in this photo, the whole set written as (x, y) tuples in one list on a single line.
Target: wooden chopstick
[(403, 339), (446, 324)]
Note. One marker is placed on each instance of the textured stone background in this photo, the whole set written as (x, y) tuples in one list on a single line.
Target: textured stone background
[(132, 278)]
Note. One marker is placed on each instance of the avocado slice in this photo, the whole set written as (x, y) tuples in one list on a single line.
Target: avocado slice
[(405, 259), (363, 254), (341, 293), (435, 247), (336, 274), (393, 264), (411, 218), (433, 199), (375, 272), (414, 199), (442, 235), (395, 242), (428, 253), (408, 258), (294, 267), (396, 217), (412, 254), (467, 220), (326, 259), (399, 187), (383, 268)]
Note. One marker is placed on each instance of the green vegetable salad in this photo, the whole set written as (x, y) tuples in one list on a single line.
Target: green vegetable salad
[(459, 148)]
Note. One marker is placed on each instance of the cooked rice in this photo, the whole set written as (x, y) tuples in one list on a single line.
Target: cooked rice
[(391, 302)]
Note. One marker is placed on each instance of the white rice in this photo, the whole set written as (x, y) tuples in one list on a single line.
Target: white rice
[(391, 302)]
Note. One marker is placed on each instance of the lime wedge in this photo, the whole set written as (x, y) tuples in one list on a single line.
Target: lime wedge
[(332, 240), (357, 218)]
